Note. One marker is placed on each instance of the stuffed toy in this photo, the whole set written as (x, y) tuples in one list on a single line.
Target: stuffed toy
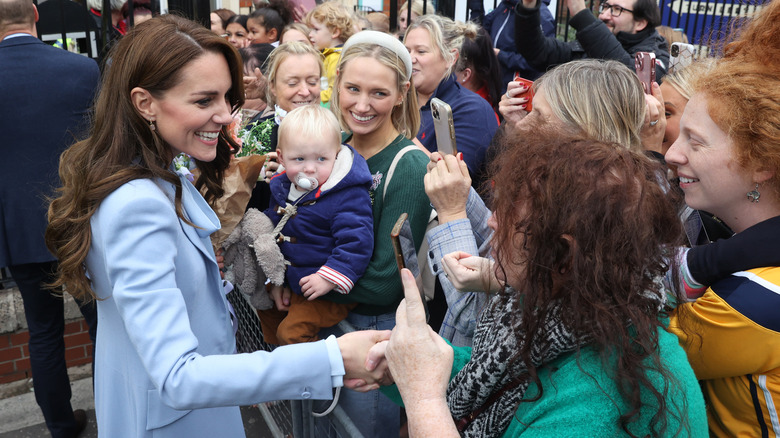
[(252, 256)]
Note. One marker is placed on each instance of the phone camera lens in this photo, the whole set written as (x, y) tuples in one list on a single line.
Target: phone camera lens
[(435, 113)]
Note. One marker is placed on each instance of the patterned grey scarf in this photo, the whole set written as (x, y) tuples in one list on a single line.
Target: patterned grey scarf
[(491, 369)]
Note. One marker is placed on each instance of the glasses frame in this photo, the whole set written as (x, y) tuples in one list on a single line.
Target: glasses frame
[(612, 9)]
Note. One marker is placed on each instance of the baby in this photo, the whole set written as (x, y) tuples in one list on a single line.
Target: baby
[(328, 235)]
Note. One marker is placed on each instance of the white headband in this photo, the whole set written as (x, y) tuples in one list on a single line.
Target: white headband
[(385, 40)]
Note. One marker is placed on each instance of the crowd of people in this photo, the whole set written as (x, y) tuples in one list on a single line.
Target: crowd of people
[(602, 253)]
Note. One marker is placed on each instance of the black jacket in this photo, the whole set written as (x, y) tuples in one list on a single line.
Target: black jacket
[(594, 40)]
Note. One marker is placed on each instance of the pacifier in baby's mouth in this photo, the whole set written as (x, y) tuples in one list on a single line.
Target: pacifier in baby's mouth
[(305, 182)]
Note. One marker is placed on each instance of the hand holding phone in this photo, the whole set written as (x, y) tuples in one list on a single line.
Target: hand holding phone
[(528, 94), (682, 55), (644, 64), (405, 254)]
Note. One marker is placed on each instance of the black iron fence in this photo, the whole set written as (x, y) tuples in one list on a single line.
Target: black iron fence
[(707, 21), (68, 23)]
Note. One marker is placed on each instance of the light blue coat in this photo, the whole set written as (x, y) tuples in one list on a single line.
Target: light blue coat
[(164, 362)]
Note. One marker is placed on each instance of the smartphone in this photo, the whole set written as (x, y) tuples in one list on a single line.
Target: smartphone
[(682, 55), (644, 64), (405, 254), (529, 94), (443, 126)]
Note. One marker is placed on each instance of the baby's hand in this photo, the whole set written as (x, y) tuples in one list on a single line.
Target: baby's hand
[(313, 286), (281, 297)]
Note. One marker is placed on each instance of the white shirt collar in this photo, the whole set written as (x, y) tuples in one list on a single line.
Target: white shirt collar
[(16, 35)]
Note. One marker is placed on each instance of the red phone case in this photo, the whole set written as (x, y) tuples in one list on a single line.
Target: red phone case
[(529, 94)]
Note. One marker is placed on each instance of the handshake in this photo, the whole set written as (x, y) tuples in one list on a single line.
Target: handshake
[(412, 355)]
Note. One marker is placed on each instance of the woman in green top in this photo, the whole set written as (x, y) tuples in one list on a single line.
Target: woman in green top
[(574, 343), (374, 106)]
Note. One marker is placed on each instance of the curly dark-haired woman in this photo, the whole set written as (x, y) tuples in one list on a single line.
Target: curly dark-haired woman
[(574, 343)]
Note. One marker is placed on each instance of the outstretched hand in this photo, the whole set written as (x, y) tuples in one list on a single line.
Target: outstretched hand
[(421, 363), (254, 86), (419, 359)]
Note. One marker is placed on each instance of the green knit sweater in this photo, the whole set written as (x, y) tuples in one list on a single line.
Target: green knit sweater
[(581, 399), (379, 290)]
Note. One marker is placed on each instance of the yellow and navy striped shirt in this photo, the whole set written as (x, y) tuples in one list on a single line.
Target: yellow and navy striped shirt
[(732, 337)]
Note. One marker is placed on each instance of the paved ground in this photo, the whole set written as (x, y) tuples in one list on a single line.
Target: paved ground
[(20, 416)]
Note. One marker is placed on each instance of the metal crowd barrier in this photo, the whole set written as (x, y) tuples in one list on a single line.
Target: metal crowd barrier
[(288, 417)]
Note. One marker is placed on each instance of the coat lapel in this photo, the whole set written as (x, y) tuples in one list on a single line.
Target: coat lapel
[(197, 211)]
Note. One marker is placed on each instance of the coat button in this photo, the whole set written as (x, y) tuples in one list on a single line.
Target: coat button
[(306, 394)]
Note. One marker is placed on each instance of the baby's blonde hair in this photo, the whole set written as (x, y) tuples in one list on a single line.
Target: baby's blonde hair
[(310, 121)]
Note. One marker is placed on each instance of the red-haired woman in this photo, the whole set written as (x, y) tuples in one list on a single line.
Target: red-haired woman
[(727, 157)]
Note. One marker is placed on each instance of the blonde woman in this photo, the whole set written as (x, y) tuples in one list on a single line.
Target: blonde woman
[(377, 107), (434, 43), (292, 75), (403, 14)]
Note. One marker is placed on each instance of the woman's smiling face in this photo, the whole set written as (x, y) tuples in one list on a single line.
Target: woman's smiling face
[(705, 157), (190, 115), (367, 95), (297, 82)]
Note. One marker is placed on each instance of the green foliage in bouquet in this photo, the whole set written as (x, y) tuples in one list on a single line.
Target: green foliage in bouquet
[(256, 138)]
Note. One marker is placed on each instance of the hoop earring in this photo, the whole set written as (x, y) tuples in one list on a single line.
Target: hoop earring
[(754, 194), (152, 126)]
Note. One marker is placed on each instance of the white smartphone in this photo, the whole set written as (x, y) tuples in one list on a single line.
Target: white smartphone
[(682, 55), (443, 126)]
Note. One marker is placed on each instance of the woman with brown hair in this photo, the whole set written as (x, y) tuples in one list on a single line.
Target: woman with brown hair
[(133, 235), (573, 343), (219, 18), (615, 114)]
